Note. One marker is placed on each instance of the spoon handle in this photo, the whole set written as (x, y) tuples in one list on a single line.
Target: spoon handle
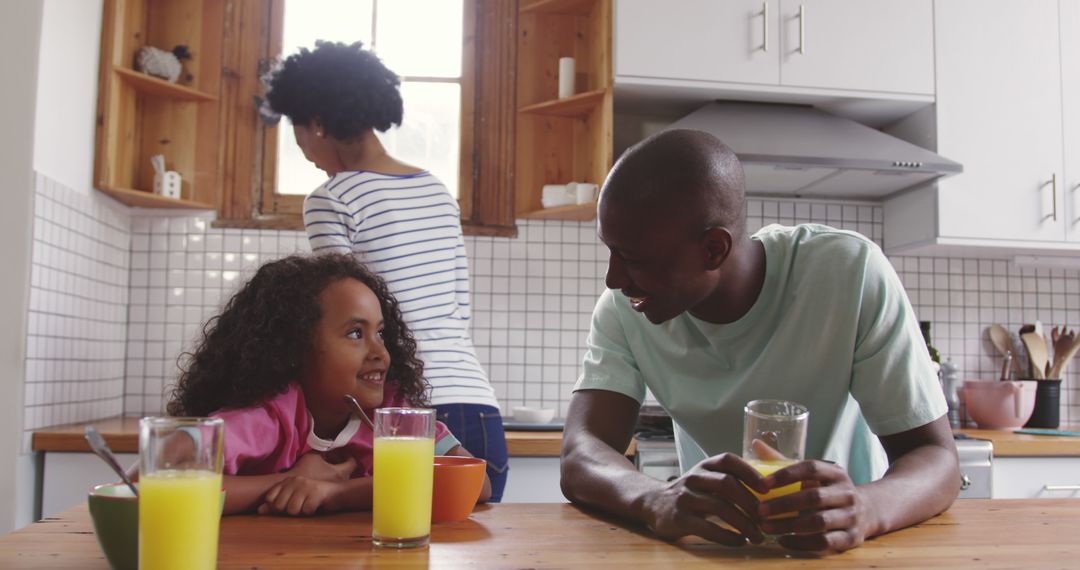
[(101, 449), (359, 411)]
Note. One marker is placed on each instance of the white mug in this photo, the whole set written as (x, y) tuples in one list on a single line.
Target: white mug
[(584, 192), (566, 77), (167, 184)]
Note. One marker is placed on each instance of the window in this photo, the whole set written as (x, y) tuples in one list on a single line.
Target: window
[(439, 49)]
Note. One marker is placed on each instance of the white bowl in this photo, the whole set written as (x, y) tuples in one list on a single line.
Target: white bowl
[(529, 415)]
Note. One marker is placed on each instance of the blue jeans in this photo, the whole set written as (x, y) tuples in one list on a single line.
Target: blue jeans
[(480, 431)]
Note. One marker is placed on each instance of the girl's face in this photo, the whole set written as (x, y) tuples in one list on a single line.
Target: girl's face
[(349, 356), (317, 148)]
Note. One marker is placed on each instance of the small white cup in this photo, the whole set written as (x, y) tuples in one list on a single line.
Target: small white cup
[(584, 192), (167, 184), (566, 77)]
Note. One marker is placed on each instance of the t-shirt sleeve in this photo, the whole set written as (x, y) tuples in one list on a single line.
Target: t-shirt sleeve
[(892, 376), (608, 363), (327, 222), (251, 438), (444, 440)]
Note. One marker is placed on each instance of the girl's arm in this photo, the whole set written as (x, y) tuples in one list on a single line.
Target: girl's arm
[(485, 493), (245, 493)]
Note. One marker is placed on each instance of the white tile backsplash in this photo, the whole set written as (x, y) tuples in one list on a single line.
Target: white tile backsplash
[(117, 295)]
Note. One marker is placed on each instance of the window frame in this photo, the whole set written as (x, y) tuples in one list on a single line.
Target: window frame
[(253, 35)]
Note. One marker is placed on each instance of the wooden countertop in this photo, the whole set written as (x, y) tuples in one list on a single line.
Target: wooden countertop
[(1009, 444), (973, 533), (122, 435)]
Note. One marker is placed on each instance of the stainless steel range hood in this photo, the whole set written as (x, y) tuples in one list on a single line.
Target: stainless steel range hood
[(794, 150)]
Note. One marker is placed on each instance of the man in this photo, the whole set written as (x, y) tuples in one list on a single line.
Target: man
[(709, 318)]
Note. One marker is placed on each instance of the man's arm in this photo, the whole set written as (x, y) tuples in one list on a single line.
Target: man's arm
[(923, 480), (595, 472)]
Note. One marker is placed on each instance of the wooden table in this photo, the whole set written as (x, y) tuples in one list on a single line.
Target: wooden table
[(974, 533)]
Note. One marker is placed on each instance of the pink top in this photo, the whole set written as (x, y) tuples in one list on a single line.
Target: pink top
[(271, 437)]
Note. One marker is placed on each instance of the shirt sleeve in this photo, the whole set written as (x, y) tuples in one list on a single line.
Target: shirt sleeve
[(609, 364), (328, 222), (892, 376), (251, 438), (444, 440)]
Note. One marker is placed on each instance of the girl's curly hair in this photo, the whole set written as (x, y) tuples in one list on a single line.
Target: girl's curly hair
[(343, 85), (261, 341)]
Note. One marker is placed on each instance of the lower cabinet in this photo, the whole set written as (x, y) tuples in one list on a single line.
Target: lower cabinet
[(68, 477), (1036, 477), (533, 480)]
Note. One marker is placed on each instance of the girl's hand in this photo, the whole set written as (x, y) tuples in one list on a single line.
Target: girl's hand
[(300, 495), (313, 465)]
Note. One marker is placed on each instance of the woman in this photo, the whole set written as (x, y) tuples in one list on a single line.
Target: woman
[(398, 220)]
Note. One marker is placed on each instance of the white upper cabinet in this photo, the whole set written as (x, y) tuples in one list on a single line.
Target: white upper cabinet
[(1008, 100), (1070, 97), (999, 114), (699, 40), (850, 45), (869, 45)]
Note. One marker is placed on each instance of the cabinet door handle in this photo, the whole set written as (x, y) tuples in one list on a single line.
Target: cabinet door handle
[(1053, 190), (765, 25), (802, 29), (1061, 487)]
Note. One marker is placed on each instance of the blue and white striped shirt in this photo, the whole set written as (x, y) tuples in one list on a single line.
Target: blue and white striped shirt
[(407, 228)]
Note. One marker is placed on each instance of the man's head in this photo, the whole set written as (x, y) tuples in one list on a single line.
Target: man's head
[(671, 212)]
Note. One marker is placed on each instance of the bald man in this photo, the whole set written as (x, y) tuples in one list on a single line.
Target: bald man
[(708, 318)]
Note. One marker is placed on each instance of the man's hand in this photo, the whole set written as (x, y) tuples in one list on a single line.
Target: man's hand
[(313, 465), (836, 514), (713, 488), (300, 495)]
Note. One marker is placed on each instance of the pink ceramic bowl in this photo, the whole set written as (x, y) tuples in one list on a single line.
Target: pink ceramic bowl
[(997, 405)]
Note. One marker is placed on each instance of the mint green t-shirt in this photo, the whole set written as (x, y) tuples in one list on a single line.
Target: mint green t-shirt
[(831, 329)]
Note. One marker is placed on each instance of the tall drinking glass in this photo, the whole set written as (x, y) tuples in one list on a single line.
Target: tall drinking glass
[(403, 477), (179, 492), (774, 436)]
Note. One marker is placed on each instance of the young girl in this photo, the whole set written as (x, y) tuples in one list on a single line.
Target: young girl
[(397, 219), (276, 365)]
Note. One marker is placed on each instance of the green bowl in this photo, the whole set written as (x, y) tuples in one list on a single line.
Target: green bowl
[(114, 511)]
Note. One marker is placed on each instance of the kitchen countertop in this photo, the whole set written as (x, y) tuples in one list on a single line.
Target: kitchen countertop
[(973, 533), (1009, 444), (122, 435)]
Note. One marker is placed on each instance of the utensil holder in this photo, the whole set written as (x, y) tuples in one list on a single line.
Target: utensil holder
[(1047, 413)]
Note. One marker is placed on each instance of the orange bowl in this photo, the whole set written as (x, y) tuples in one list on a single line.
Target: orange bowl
[(458, 482)]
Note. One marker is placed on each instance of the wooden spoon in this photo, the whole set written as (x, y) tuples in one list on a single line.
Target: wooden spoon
[(1002, 341), (1036, 348), (1061, 361)]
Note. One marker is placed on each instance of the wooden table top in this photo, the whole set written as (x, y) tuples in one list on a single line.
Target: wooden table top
[(122, 435), (973, 533)]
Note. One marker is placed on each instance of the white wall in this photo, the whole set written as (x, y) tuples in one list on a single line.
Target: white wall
[(67, 92), (20, 27)]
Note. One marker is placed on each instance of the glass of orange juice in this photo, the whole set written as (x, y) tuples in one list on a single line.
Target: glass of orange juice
[(179, 492), (774, 436), (403, 477)]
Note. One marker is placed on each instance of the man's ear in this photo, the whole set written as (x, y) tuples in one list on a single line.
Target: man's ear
[(717, 242)]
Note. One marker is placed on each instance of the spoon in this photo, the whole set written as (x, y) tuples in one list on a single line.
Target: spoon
[(359, 411), (1002, 341), (101, 449)]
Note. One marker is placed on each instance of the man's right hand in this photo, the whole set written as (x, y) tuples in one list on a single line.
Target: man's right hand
[(713, 489)]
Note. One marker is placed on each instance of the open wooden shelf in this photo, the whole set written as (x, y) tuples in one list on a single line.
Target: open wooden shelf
[(149, 84), (146, 199), (558, 6), (579, 106), (573, 212)]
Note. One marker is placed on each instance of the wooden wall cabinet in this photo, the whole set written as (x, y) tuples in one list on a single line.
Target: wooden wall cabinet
[(569, 139), (140, 115)]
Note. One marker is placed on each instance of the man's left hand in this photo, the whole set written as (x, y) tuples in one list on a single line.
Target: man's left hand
[(834, 514)]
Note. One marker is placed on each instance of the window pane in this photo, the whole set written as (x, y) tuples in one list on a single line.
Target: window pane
[(430, 135), (420, 37), (429, 138), (333, 20)]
